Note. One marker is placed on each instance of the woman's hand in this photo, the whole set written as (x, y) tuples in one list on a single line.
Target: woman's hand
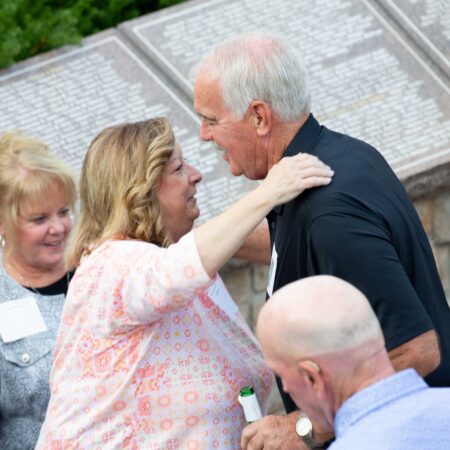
[(292, 175), (219, 238)]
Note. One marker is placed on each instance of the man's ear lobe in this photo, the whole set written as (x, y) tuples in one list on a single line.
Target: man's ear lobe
[(261, 116)]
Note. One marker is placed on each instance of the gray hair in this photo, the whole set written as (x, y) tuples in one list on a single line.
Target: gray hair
[(256, 66)]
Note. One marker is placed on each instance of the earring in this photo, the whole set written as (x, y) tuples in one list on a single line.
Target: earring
[(2, 241)]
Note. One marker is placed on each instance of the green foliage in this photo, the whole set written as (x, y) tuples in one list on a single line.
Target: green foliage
[(29, 27), (165, 3)]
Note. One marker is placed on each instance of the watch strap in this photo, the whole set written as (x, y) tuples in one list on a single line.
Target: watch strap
[(308, 439)]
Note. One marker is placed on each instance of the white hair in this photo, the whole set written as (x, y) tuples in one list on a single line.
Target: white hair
[(256, 66)]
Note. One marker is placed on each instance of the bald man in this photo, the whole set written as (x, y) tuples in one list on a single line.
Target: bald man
[(322, 338)]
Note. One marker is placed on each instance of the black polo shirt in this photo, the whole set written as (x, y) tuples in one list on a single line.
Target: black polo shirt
[(363, 228)]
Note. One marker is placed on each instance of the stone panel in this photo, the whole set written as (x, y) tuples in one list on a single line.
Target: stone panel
[(428, 23), (367, 80), (67, 97)]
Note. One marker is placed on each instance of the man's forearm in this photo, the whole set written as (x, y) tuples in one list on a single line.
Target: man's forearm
[(256, 248), (421, 353)]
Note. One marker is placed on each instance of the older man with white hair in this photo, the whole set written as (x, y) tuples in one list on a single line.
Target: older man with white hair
[(252, 95), (322, 338)]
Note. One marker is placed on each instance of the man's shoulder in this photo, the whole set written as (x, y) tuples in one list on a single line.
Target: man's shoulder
[(345, 149), (438, 395), (394, 406), (418, 420), (361, 176)]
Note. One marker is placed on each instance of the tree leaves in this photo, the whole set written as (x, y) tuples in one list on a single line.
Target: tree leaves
[(29, 27)]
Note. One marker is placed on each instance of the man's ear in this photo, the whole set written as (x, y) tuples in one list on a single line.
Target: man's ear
[(312, 376), (261, 115)]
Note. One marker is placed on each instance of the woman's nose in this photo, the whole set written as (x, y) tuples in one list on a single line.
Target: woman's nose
[(194, 174), (57, 225)]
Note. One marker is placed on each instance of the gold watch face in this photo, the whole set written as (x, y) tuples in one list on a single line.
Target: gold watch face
[(303, 426)]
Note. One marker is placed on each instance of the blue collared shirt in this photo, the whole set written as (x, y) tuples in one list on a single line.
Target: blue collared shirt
[(399, 412)]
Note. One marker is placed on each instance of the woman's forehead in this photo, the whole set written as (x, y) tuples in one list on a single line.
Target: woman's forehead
[(53, 196), (177, 151)]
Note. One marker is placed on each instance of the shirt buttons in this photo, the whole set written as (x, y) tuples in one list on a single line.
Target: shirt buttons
[(25, 358)]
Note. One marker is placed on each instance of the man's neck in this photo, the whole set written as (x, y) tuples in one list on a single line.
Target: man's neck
[(283, 135), (374, 369)]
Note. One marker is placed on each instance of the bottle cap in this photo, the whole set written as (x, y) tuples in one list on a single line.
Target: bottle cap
[(246, 391), (247, 398)]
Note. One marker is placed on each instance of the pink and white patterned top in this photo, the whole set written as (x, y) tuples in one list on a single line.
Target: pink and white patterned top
[(145, 359)]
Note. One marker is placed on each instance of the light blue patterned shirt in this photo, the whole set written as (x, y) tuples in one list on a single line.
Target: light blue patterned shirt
[(399, 412), (24, 371)]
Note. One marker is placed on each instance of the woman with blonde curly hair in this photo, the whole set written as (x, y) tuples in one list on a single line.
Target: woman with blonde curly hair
[(151, 353), (37, 193)]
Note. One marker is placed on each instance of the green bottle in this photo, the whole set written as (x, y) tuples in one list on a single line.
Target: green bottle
[(247, 398)]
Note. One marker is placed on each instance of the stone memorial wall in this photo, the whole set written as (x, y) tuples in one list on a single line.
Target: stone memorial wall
[(428, 23), (378, 69), (366, 78), (68, 98)]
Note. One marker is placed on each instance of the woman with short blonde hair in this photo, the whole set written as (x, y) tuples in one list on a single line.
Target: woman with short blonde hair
[(37, 192), (27, 170)]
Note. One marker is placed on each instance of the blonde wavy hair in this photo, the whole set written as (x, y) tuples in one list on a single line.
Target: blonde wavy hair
[(121, 173), (27, 173)]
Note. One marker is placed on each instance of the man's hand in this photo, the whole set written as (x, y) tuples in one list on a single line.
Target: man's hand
[(292, 175), (272, 433)]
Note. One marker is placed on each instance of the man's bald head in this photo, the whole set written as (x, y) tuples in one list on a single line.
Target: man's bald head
[(316, 316)]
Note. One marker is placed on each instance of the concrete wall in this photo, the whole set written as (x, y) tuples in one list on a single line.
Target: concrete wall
[(434, 211)]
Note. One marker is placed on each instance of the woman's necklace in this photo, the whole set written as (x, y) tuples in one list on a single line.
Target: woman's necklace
[(26, 284)]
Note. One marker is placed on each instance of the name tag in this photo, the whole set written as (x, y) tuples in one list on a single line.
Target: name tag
[(272, 271), (20, 318), (220, 296)]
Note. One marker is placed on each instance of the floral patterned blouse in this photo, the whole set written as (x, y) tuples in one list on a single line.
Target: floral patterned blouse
[(145, 359)]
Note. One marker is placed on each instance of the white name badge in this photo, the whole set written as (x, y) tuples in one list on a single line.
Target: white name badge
[(221, 297), (20, 318), (272, 271)]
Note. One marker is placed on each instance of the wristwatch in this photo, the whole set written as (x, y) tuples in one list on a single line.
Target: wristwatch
[(303, 428)]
